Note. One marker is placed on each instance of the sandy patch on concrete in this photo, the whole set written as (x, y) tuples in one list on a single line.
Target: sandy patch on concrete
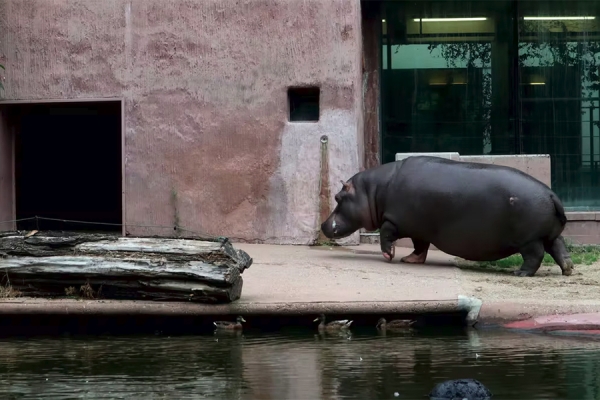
[(547, 285)]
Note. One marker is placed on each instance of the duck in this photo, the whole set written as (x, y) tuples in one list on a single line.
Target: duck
[(342, 324), (397, 324), (230, 325)]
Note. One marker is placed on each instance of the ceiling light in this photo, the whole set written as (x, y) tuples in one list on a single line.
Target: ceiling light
[(447, 83), (557, 18), (450, 19), (383, 20)]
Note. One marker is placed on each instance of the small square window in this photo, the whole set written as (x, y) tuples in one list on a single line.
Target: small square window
[(304, 104)]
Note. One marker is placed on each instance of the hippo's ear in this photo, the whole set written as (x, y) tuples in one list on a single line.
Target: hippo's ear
[(347, 186)]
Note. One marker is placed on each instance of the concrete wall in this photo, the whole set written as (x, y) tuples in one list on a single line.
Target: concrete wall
[(536, 165), (583, 227), (205, 89)]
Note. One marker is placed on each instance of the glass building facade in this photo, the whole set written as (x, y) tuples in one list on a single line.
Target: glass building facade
[(496, 77)]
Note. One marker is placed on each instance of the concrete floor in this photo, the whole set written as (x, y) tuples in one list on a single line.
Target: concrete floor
[(293, 280)]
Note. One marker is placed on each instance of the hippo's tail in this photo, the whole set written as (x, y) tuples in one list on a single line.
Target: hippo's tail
[(560, 211)]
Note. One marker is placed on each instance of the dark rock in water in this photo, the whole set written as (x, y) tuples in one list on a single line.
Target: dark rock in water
[(460, 389)]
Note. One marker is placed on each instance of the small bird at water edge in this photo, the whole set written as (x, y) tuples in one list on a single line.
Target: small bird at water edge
[(230, 325), (342, 324), (397, 324)]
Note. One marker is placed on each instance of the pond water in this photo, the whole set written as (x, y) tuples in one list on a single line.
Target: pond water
[(298, 365)]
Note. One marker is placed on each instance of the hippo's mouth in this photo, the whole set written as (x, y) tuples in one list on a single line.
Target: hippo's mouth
[(336, 234)]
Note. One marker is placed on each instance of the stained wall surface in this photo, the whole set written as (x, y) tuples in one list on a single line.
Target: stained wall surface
[(204, 83)]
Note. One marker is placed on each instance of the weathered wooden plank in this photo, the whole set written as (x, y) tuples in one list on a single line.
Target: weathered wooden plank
[(45, 244), (61, 267), (151, 245), (47, 263), (132, 289)]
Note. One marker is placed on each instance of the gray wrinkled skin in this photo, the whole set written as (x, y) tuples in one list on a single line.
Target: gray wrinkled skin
[(479, 212)]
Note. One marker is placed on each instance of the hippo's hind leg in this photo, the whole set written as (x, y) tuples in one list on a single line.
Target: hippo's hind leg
[(533, 254), (419, 255), (388, 234), (558, 250)]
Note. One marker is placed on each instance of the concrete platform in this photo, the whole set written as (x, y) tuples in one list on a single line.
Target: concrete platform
[(300, 280), (288, 280)]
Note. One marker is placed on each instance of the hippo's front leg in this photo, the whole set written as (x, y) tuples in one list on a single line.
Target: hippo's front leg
[(388, 234)]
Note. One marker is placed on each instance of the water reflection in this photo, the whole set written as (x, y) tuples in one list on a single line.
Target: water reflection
[(295, 365)]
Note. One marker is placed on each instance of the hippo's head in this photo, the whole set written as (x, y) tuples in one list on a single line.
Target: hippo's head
[(349, 215)]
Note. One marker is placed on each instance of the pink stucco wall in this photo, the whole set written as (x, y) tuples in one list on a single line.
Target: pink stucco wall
[(205, 89)]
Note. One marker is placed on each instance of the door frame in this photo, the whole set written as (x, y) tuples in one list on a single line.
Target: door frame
[(5, 106)]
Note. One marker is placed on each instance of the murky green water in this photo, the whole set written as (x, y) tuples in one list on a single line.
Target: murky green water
[(297, 366)]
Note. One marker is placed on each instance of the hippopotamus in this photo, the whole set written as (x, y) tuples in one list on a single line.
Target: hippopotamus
[(479, 212)]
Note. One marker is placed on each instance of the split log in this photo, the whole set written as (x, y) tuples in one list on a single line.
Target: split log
[(51, 244), (125, 268), (128, 289)]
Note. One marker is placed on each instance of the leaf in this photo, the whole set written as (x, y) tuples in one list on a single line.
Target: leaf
[(2, 66)]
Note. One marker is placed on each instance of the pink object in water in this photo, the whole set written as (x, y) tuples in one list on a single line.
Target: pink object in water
[(568, 323)]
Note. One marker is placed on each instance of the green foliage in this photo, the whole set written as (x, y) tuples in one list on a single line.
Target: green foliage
[(550, 50), (580, 254)]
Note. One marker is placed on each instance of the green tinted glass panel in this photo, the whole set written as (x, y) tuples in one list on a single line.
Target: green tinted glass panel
[(438, 78), (559, 54), (496, 77)]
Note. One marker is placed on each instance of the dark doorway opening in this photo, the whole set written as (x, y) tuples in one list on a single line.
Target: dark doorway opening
[(68, 166)]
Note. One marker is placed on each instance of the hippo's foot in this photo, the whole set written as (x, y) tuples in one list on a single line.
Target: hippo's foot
[(558, 250), (388, 234), (522, 273), (567, 270), (390, 256), (533, 254), (419, 255), (414, 258)]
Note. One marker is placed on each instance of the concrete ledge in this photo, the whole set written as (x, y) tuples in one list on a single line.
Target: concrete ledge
[(507, 312), (472, 306), (536, 165), (583, 227), (448, 155), (521, 315), (583, 216), (31, 306)]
